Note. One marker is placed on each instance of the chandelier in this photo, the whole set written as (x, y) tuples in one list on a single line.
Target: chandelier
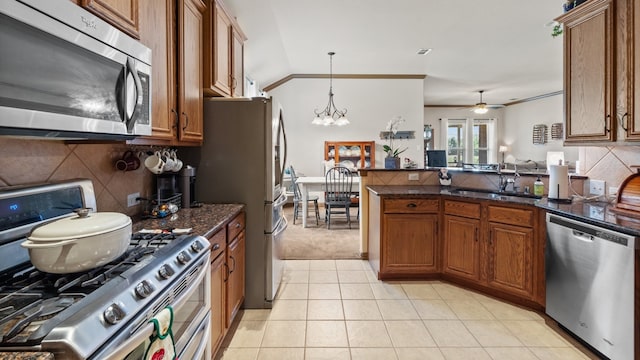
[(330, 115)]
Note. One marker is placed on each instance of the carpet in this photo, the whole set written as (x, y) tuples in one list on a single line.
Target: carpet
[(316, 242)]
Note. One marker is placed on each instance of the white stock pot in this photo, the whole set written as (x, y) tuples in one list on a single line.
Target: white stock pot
[(79, 243)]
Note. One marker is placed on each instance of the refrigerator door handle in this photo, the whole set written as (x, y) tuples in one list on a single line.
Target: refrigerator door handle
[(284, 139)]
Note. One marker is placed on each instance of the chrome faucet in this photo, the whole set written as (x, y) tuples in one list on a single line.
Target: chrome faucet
[(505, 181)]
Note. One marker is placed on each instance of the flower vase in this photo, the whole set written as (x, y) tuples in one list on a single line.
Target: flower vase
[(392, 163)]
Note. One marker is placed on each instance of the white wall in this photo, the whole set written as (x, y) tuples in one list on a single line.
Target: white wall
[(515, 127), (370, 103)]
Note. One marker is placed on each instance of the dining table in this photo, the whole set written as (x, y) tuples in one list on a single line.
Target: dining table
[(317, 183)]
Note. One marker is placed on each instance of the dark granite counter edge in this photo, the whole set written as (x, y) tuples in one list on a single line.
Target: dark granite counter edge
[(575, 210), (631, 225), (363, 172), (424, 190)]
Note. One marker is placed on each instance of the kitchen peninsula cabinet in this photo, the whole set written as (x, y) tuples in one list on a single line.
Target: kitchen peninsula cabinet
[(461, 239), (408, 240), (362, 154), (172, 29), (122, 14), (223, 53), (510, 261)]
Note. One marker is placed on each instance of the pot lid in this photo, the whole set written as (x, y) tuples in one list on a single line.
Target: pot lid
[(80, 226)]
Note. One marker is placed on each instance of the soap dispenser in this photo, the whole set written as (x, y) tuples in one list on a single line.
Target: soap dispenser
[(538, 187)]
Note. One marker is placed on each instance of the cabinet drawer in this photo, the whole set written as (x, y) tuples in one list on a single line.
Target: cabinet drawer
[(218, 243), (235, 226), (505, 215), (470, 210), (410, 205)]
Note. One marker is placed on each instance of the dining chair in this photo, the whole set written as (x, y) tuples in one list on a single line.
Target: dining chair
[(298, 199), (337, 198)]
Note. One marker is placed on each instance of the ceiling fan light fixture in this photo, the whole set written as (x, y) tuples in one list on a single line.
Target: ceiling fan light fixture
[(481, 107)]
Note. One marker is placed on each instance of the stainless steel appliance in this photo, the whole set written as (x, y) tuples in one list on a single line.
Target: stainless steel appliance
[(240, 161), (590, 284), (187, 184), (102, 313), (66, 73)]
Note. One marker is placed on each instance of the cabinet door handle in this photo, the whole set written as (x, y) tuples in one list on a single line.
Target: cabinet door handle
[(215, 246), (606, 130), (476, 234), (227, 273), (186, 123), (234, 264), (412, 205), (176, 116), (623, 123), (237, 225)]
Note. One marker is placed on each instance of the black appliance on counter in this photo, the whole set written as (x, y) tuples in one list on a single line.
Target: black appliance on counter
[(102, 313)]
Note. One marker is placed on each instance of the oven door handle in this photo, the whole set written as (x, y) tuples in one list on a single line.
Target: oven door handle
[(145, 332)]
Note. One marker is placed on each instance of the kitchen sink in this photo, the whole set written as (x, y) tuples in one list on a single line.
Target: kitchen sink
[(492, 194)]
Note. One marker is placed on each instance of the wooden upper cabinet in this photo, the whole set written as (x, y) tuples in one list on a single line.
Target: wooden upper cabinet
[(190, 21), (237, 65), (122, 14), (631, 121), (588, 72), (223, 53), (157, 31)]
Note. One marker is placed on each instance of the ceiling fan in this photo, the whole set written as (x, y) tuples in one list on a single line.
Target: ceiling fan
[(482, 107)]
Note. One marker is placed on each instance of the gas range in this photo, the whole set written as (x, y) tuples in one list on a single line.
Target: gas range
[(79, 313)]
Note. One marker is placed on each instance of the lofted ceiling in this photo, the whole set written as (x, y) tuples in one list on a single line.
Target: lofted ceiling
[(504, 47)]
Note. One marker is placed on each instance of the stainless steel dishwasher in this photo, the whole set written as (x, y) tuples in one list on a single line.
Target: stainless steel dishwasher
[(590, 284)]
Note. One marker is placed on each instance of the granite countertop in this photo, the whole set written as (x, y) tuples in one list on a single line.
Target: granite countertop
[(422, 190), (205, 220), (597, 213), (26, 356)]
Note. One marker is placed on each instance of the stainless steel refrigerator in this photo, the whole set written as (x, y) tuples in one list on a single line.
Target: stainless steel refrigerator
[(242, 161)]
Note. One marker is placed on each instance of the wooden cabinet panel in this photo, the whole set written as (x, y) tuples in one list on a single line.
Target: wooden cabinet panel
[(218, 243), (235, 226), (409, 243), (236, 280), (588, 72), (218, 318), (237, 64), (510, 259), (470, 210), (122, 14), (632, 118), (190, 71), (157, 31), (407, 206), (461, 247), (507, 215)]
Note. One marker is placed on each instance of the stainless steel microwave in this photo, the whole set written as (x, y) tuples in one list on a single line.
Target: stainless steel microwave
[(65, 73)]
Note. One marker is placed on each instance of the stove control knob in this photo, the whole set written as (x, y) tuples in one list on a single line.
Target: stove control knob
[(183, 258), (113, 314), (197, 246), (166, 271), (143, 289)]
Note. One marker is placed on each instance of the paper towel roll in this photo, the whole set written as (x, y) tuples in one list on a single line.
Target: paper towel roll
[(559, 182)]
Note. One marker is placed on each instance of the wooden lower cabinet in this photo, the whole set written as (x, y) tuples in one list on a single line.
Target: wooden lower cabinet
[(461, 247), (510, 259), (409, 243), (236, 280), (487, 245), (218, 284)]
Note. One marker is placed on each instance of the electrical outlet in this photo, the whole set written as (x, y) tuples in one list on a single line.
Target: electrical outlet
[(613, 190), (133, 199), (596, 187), (414, 177)]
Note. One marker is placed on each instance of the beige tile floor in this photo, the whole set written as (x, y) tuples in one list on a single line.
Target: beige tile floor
[(337, 309)]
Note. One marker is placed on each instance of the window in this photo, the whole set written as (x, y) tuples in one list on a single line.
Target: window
[(470, 141)]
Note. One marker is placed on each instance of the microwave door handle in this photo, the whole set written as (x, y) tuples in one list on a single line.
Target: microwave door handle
[(131, 68)]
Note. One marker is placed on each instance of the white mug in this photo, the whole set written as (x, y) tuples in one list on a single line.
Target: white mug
[(170, 161), (155, 163), (178, 164)]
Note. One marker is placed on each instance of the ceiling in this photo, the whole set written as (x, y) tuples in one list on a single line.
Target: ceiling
[(504, 47)]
